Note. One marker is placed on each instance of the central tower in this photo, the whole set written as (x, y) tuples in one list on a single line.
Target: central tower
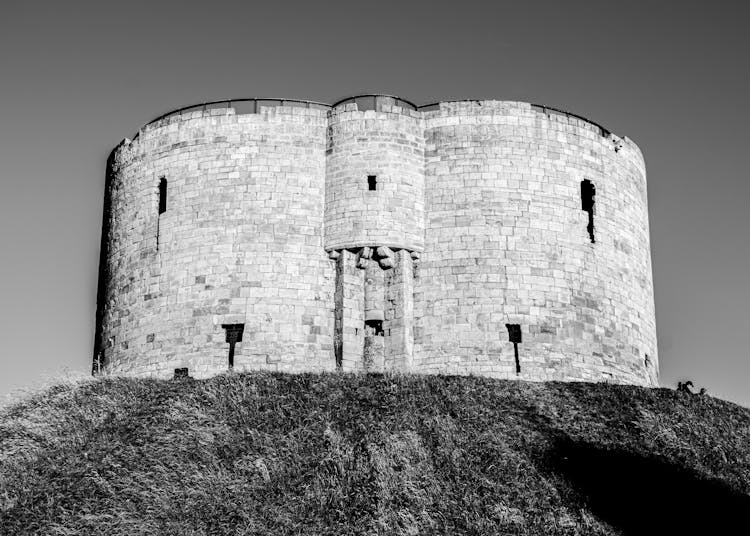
[(374, 227)]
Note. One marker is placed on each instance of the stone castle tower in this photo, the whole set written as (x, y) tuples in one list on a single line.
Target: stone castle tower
[(497, 238)]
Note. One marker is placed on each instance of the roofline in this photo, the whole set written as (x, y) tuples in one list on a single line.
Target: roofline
[(308, 103)]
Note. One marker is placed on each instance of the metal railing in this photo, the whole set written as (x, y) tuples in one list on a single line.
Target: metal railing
[(436, 105), (363, 102), (241, 106), (375, 101), (549, 110), (432, 106)]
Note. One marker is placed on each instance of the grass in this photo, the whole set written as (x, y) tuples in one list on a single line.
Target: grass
[(264, 453)]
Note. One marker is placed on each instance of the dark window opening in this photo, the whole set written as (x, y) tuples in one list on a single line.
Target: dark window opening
[(374, 327), (234, 335), (588, 191), (514, 332), (162, 195), (514, 335), (372, 182), (181, 373), (162, 207)]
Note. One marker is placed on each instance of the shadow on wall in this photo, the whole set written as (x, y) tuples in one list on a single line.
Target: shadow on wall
[(642, 496)]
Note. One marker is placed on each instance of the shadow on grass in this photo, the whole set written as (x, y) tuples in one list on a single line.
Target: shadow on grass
[(643, 496)]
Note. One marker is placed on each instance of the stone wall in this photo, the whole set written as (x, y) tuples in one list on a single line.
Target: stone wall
[(507, 242), (477, 221), (241, 241)]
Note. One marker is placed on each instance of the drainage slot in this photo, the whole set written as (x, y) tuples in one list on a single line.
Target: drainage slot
[(514, 335), (234, 335)]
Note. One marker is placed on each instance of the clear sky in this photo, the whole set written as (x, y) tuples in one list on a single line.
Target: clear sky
[(77, 77)]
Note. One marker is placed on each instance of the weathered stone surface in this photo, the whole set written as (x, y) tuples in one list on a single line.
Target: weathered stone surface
[(507, 242), (384, 251), (475, 221), (241, 241), (386, 262), (387, 144)]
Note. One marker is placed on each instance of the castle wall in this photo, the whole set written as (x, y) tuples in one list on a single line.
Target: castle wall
[(241, 241), (507, 243), (478, 226)]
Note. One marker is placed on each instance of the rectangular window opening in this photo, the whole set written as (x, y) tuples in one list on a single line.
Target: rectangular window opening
[(234, 335), (162, 195), (588, 191), (162, 207), (372, 182), (374, 327), (514, 335)]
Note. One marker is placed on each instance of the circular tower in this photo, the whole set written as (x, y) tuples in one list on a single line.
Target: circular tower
[(537, 261), (212, 250)]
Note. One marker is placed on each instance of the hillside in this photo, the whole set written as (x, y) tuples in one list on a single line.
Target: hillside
[(371, 454)]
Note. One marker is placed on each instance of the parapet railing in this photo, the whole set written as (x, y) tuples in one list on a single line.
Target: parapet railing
[(538, 107), (241, 106), (375, 101), (363, 102), (556, 111)]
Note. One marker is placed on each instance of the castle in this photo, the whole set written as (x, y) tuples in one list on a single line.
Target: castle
[(495, 238)]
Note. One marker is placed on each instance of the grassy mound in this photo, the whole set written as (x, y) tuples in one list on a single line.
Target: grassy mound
[(371, 454)]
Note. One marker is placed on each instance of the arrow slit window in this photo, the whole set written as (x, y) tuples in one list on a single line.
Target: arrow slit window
[(162, 195), (162, 207), (588, 191)]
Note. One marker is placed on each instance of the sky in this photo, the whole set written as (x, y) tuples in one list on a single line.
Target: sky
[(77, 77)]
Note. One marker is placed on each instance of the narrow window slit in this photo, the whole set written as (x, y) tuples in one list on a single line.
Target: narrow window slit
[(234, 335), (514, 335), (372, 182), (162, 207), (162, 195), (588, 191)]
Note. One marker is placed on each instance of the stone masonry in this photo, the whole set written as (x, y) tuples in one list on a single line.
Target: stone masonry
[(475, 237)]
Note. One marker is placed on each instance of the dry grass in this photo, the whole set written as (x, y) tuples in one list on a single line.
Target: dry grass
[(371, 454)]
